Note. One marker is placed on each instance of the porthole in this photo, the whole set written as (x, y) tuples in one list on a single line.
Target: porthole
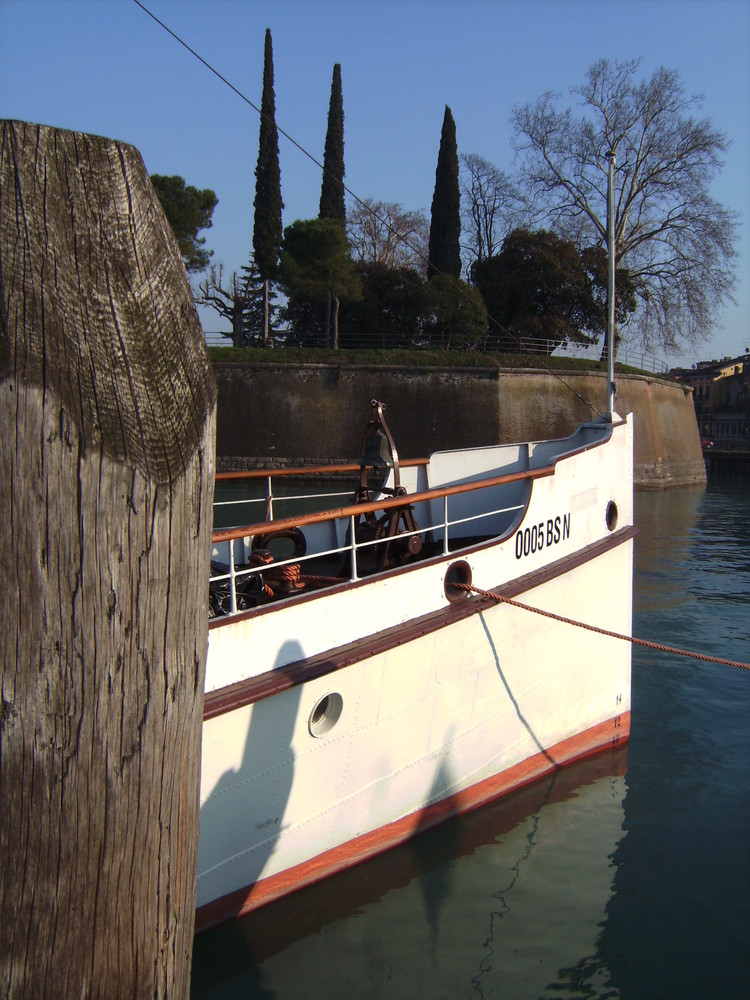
[(457, 577), (611, 515), (325, 714)]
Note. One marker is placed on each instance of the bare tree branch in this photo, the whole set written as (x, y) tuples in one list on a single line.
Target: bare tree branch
[(228, 297), (677, 242), (382, 232), (491, 206)]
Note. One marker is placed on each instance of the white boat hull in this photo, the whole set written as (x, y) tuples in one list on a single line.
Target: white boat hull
[(347, 723)]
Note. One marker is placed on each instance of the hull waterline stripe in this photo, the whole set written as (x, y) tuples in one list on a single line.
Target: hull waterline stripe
[(266, 685), (607, 735)]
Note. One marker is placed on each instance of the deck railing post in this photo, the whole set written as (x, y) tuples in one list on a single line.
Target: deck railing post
[(446, 548), (232, 579), (353, 537)]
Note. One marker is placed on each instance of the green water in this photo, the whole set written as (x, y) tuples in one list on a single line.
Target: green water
[(626, 876)]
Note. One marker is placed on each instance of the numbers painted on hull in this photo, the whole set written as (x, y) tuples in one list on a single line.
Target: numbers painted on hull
[(543, 535), (617, 722)]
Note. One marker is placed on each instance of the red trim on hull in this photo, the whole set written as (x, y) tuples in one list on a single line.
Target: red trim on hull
[(607, 735)]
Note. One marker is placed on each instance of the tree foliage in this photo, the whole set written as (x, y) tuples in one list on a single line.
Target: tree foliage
[(305, 323), (390, 310), (540, 287), (332, 204), (455, 313), (595, 262), (267, 230), (676, 241), (315, 263), (188, 211), (260, 306), (491, 206), (445, 217), (382, 232)]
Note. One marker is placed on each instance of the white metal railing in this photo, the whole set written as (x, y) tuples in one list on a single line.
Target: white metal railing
[(627, 355), (351, 549), (328, 473), (267, 501)]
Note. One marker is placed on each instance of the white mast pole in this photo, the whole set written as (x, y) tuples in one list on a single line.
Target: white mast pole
[(611, 388)]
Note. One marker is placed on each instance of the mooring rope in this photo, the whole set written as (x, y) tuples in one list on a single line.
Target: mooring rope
[(324, 580), (287, 579), (468, 588)]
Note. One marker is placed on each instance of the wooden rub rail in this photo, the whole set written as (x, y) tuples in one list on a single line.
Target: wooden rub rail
[(354, 510), (311, 470)]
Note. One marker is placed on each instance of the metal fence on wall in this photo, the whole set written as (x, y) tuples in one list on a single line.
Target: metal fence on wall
[(633, 357)]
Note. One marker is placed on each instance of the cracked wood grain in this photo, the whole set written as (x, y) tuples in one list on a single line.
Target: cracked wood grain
[(107, 424)]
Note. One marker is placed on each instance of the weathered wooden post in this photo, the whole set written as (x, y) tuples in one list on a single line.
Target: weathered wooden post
[(107, 416)]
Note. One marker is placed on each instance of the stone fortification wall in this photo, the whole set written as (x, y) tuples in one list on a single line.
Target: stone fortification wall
[(317, 413)]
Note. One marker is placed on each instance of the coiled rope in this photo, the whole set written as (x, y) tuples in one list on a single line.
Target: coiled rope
[(499, 599), (286, 579)]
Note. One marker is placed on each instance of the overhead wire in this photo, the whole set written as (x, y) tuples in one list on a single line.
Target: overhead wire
[(392, 230), (382, 221)]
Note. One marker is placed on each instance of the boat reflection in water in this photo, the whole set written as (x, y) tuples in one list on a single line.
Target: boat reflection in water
[(450, 913)]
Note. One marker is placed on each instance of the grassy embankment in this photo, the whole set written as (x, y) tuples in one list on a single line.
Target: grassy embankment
[(409, 359)]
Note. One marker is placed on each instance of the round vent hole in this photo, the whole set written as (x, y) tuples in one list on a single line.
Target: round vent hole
[(325, 714), (457, 577), (611, 515)]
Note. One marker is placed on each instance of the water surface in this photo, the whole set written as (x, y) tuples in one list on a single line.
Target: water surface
[(625, 876)]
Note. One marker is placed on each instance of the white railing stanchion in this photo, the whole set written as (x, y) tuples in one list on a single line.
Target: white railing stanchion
[(269, 500), (446, 548), (232, 580), (353, 537)]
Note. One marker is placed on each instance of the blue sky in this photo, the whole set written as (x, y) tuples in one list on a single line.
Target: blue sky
[(103, 66)]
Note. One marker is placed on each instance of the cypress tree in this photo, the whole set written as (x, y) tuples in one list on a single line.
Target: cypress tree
[(267, 229), (332, 191), (445, 220)]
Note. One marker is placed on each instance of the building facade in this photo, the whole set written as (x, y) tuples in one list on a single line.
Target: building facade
[(721, 395)]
